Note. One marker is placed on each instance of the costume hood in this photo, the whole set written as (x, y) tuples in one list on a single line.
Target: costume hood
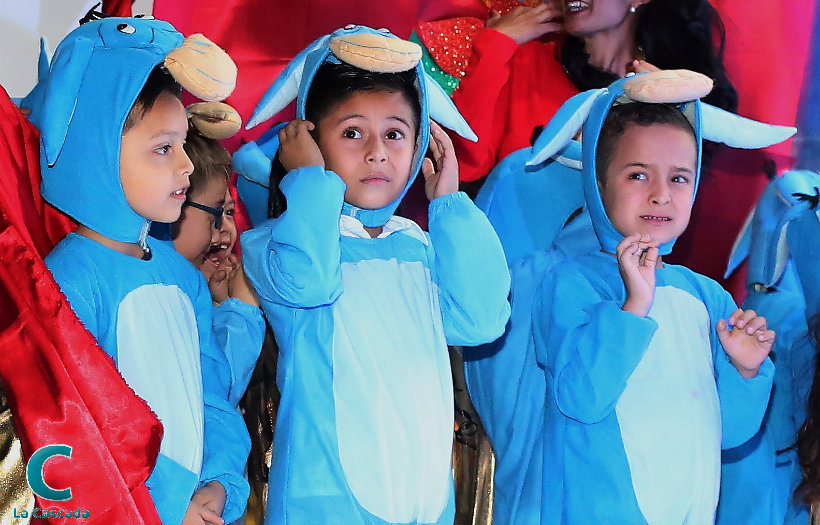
[(587, 111), (95, 76), (373, 50)]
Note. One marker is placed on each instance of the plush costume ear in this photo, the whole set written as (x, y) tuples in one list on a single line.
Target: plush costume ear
[(733, 130), (215, 120), (202, 68), (376, 52), (564, 125), (63, 86), (444, 112), (764, 236), (286, 86)]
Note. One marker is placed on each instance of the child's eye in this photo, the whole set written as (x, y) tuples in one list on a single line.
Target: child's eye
[(394, 134), (637, 176), (352, 133), (680, 179), (229, 212), (163, 150)]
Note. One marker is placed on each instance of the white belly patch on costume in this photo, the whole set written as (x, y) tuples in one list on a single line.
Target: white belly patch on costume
[(392, 390), (158, 355), (669, 414)]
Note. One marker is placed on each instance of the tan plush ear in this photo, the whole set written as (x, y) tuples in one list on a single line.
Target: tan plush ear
[(202, 68), (215, 120), (668, 86), (378, 53)]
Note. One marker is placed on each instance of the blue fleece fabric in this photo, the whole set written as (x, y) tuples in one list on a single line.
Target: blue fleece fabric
[(364, 429)]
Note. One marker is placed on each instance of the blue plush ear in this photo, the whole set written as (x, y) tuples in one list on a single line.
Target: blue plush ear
[(444, 112), (563, 126), (733, 130), (63, 85), (286, 86), (764, 236)]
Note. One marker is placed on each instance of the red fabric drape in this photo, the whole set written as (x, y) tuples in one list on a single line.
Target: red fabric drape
[(62, 388), (117, 7)]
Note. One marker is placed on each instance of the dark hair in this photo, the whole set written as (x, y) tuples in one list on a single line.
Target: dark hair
[(159, 81), (332, 85), (210, 159), (674, 34), (621, 116), (808, 438)]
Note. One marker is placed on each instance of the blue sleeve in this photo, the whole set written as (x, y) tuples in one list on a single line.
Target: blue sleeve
[(171, 487), (588, 344), (294, 260), (470, 271), (240, 331), (227, 443), (743, 402)]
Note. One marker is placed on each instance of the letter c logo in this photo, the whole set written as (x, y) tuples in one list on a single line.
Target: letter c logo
[(34, 472)]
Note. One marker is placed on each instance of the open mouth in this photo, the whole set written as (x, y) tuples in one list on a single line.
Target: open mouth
[(577, 6), (654, 218), (180, 193), (217, 253)]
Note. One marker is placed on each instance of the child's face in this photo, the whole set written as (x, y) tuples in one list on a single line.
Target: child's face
[(223, 245), (195, 233), (154, 168), (650, 181), (369, 141)]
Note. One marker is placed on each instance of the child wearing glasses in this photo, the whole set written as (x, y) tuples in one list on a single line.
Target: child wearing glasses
[(201, 235)]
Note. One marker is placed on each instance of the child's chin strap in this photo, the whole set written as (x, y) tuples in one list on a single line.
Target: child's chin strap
[(143, 241)]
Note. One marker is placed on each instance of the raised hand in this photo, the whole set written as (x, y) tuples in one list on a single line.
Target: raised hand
[(440, 173), (637, 259), (748, 342), (297, 149), (523, 24)]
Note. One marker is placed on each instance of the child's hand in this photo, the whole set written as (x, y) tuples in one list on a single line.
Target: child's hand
[(198, 514), (207, 505), (297, 149), (637, 257), (239, 286), (748, 342), (445, 180), (220, 279)]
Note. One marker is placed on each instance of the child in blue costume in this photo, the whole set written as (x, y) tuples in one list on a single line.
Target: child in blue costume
[(204, 234), (363, 303), (535, 201), (111, 157), (651, 369)]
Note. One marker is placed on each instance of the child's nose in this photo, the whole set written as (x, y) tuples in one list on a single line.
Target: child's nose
[(661, 194), (376, 151), (186, 167)]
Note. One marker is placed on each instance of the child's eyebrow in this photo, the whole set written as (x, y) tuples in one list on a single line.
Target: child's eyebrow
[(170, 132), (357, 115)]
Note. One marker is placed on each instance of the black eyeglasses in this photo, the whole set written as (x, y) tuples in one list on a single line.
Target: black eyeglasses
[(216, 212)]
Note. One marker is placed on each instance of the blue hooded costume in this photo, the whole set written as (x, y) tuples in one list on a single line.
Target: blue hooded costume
[(365, 424), (535, 199), (780, 242), (638, 408), (153, 317)]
